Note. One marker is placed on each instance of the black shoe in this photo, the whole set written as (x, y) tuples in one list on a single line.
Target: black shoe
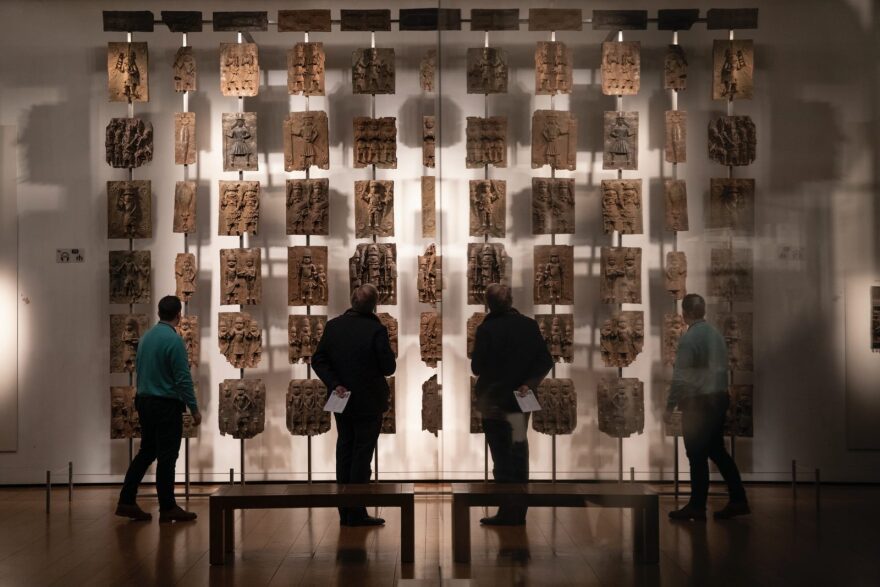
[(499, 521), (366, 521), (732, 509), (688, 513), (133, 512), (176, 514)]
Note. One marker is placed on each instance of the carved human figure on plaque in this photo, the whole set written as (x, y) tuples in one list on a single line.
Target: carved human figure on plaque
[(239, 208), (621, 406), (472, 324), (673, 328), (124, 420), (487, 264), (240, 338), (558, 413), (307, 276), (188, 329), (375, 142), (486, 71), (305, 69), (429, 140), (675, 68), (308, 206), (621, 68), (373, 208), (305, 408), (622, 206), (676, 274), (375, 263), (372, 71), (303, 334), (554, 139), (427, 70), (553, 68), (129, 209), (739, 420), (429, 207), (306, 141), (390, 324), (621, 281), (185, 71), (128, 72), (185, 207), (389, 418), (242, 411), (554, 274), (185, 138), (432, 407), (239, 69), (732, 204), (240, 277), (431, 338), (185, 275), (486, 141), (429, 276), (240, 141), (732, 140), (488, 199), (736, 328), (128, 142), (675, 196), (730, 274), (621, 141), (475, 416), (130, 277), (733, 69), (558, 332), (125, 334), (622, 338), (676, 136), (552, 206)]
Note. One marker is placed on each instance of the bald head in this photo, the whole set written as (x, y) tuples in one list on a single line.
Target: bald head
[(498, 297), (364, 298)]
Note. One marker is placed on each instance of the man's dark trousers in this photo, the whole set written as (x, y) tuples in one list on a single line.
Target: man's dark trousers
[(510, 457), (703, 429), (161, 430), (355, 443)]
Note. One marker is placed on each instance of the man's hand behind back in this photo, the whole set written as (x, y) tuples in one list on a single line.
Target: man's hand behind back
[(197, 418)]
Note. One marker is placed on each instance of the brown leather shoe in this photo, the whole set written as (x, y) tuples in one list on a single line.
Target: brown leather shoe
[(133, 512), (177, 514)]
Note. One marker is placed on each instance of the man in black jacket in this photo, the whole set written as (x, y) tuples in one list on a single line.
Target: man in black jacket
[(510, 355), (354, 356)]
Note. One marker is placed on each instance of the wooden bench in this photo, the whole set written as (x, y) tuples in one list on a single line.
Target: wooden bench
[(227, 499), (644, 503)]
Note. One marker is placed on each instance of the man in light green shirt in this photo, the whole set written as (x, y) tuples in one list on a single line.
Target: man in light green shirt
[(164, 391)]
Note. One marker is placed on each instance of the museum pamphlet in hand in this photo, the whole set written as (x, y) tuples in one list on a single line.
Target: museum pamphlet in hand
[(336, 402), (527, 401)]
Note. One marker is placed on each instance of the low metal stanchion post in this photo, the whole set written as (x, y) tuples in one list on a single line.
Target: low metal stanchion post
[(48, 491), (69, 481)]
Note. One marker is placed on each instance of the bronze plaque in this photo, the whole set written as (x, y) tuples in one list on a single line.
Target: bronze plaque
[(240, 277), (124, 419), (553, 68), (736, 328), (239, 208), (554, 274), (494, 19), (486, 141), (125, 334), (239, 69), (390, 324), (129, 209), (307, 276), (308, 207), (554, 139), (555, 19), (304, 332), (621, 404), (429, 140), (306, 141), (431, 338), (732, 140), (732, 204), (185, 207), (676, 211), (675, 68), (304, 21), (188, 330), (552, 206), (730, 274), (621, 338), (621, 141), (130, 277), (488, 204), (373, 208), (128, 72), (428, 70), (472, 324), (430, 276), (305, 408), (305, 69), (128, 142), (366, 20), (488, 263), (185, 276), (676, 136), (240, 141), (372, 71), (185, 71), (432, 406), (739, 420), (240, 338), (622, 206), (375, 263), (558, 413), (185, 138), (676, 274), (621, 68), (486, 71), (673, 328), (375, 142), (733, 70), (621, 281), (429, 207), (558, 333), (242, 412)]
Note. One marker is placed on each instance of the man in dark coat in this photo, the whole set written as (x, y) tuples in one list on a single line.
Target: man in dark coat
[(510, 355), (353, 357)]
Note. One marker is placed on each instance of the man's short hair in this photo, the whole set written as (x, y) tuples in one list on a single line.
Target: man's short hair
[(694, 306), (364, 298), (498, 297), (169, 308)]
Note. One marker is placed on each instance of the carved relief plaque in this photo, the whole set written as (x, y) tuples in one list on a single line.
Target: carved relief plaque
[(432, 408), (554, 139), (185, 274), (124, 419), (375, 263), (303, 334), (472, 324), (427, 70), (733, 70), (622, 338), (621, 141), (188, 329), (240, 277), (185, 138), (129, 142), (128, 72), (558, 332), (621, 281), (676, 136), (476, 417), (739, 420), (125, 334), (239, 69), (240, 338), (372, 71), (676, 274), (185, 207), (488, 204), (673, 328), (305, 408), (306, 141), (375, 142), (621, 406), (308, 206), (431, 338), (486, 71), (552, 206), (732, 140), (239, 208), (558, 413), (242, 411), (390, 324), (307, 276), (621, 68), (240, 141), (373, 208), (429, 207), (486, 141), (675, 197), (429, 140), (430, 276), (184, 68), (130, 277), (736, 328), (389, 418), (730, 274), (553, 67), (675, 68), (305, 69), (488, 263), (129, 209), (554, 274), (622, 206), (732, 204)]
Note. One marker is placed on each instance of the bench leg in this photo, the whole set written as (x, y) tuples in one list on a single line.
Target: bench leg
[(461, 531), (646, 532), (408, 531), (229, 529), (215, 529)]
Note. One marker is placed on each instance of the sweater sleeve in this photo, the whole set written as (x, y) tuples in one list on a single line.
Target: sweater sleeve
[(682, 374), (543, 361), (482, 351), (322, 364), (384, 352), (183, 382)]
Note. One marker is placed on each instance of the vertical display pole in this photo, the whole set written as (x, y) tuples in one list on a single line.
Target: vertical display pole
[(619, 104), (242, 461), (730, 303), (675, 466), (186, 468), (70, 481), (675, 305)]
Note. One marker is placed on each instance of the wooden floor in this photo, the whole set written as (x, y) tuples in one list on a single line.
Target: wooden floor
[(782, 543)]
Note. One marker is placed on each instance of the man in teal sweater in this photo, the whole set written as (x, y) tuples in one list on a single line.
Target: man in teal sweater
[(164, 391), (699, 390)]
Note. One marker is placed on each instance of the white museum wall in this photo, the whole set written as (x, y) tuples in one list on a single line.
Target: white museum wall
[(815, 108)]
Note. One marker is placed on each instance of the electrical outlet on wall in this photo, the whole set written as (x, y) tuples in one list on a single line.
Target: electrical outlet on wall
[(69, 255)]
